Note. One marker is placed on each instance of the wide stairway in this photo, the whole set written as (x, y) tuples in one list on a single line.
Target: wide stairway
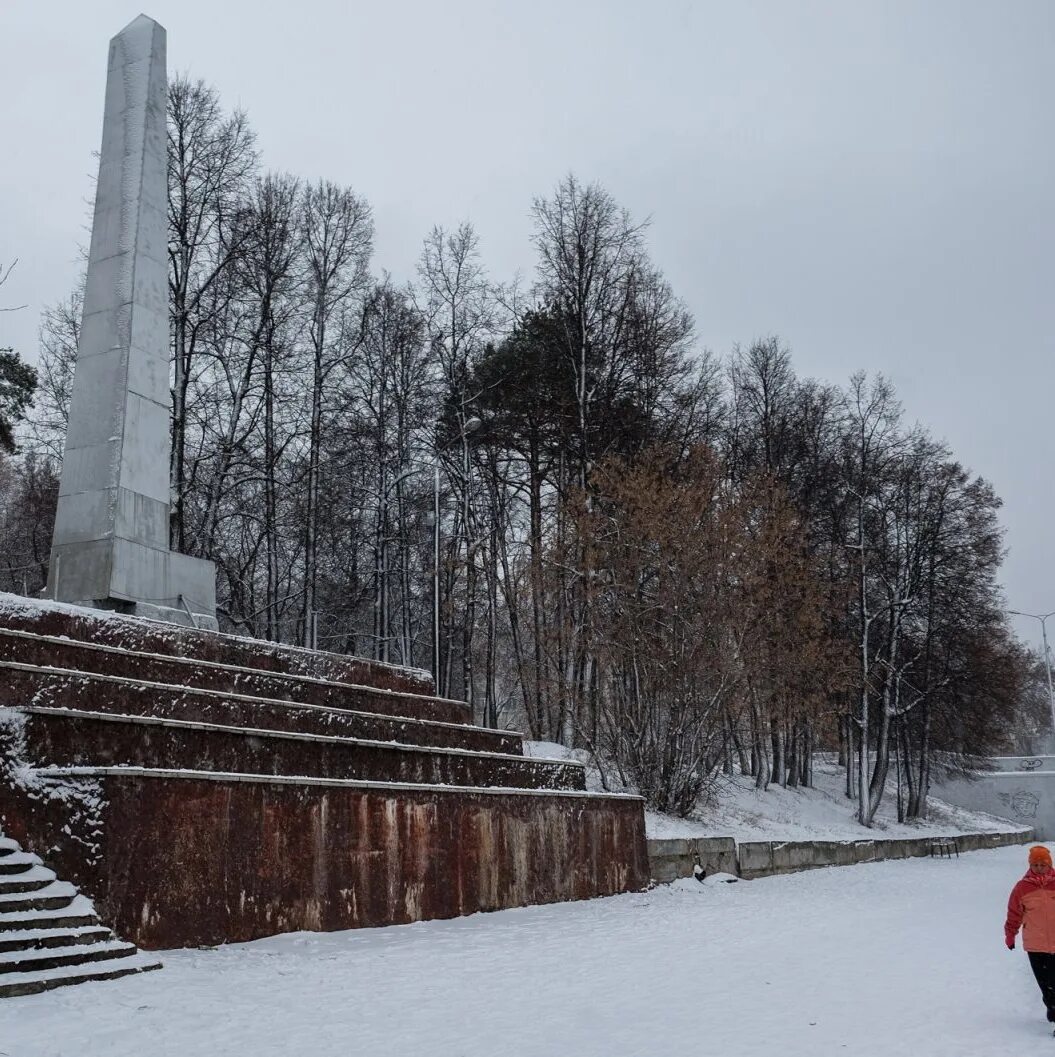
[(88, 704), (205, 788), (49, 932)]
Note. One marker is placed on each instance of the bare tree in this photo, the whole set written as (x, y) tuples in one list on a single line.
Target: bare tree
[(60, 327), (337, 233), (211, 159), (5, 274), (463, 312), (271, 270)]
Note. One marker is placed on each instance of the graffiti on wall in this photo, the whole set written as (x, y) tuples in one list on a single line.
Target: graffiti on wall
[(1021, 802)]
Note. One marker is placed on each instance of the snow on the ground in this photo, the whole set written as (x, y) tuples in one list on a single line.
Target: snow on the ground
[(902, 957), (821, 813)]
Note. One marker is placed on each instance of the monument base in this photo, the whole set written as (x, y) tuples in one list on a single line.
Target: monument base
[(203, 788), (171, 615), (136, 580)]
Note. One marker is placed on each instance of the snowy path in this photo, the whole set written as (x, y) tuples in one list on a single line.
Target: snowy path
[(755, 969)]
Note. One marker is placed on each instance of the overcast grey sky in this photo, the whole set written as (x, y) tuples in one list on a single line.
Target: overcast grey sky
[(872, 181)]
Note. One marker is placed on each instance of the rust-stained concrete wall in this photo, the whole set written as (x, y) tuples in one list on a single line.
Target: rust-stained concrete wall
[(25, 684), (206, 855), (182, 859), (101, 663), (62, 738)]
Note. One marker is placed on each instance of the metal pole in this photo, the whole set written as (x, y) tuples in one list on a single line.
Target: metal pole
[(1043, 618), (384, 586), (1047, 668), (382, 600), (471, 425), (436, 575)]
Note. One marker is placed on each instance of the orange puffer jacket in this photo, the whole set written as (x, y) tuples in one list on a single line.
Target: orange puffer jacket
[(1032, 906)]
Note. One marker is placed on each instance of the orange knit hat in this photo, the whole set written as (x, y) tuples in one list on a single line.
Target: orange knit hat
[(1039, 854)]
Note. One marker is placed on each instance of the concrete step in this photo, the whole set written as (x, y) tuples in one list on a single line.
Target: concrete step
[(49, 933), (151, 637), (62, 738), (22, 684), (21, 961), (58, 895), (29, 880), (37, 980), (17, 862), (79, 913), (39, 939), (61, 656)]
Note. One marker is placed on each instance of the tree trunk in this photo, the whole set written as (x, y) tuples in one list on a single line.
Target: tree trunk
[(311, 507), (851, 756)]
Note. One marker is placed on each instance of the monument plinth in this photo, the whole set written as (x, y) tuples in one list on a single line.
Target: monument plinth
[(111, 544)]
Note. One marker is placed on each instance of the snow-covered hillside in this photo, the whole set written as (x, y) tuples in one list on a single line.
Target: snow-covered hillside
[(821, 813), (902, 957)]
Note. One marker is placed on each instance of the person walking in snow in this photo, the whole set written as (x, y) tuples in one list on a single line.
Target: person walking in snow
[(1032, 907)]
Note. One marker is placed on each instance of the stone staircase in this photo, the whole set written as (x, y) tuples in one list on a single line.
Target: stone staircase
[(204, 788), (49, 933)]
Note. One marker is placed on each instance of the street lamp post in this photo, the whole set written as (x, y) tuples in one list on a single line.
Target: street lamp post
[(436, 574), (466, 430), (1043, 618), (470, 426)]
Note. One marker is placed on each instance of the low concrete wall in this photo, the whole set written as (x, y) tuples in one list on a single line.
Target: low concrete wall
[(671, 859), (764, 858)]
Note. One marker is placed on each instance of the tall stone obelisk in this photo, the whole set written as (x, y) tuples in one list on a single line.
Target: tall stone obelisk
[(111, 542)]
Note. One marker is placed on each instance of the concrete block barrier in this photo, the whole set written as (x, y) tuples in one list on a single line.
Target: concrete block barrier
[(673, 858)]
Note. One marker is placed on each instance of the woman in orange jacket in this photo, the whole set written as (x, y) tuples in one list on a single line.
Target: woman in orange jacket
[(1032, 906)]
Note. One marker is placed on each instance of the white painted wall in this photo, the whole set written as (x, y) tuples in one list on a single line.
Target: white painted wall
[(1019, 788)]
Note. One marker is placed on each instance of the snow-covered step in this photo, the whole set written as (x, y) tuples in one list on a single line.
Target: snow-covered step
[(77, 913), (30, 939), (36, 980), (17, 862), (31, 879), (56, 895), (24, 961), (49, 933)]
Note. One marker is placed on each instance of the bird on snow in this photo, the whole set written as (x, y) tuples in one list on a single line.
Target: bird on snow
[(697, 868)]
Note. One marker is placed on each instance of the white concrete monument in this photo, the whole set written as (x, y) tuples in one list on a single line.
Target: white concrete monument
[(111, 544)]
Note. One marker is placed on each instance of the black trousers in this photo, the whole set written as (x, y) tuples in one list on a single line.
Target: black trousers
[(1043, 966)]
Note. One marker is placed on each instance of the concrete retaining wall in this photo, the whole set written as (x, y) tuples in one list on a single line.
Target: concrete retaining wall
[(764, 858), (180, 859), (670, 859), (211, 789)]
